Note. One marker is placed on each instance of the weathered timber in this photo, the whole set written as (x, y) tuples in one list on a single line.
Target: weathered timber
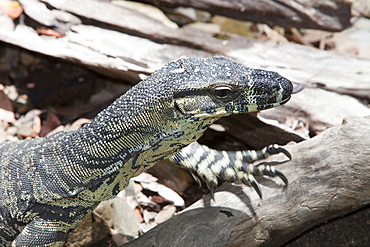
[(131, 22), (328, 177), (117, 48), (255, 134), (361, 94), (323, 108), (130, 58), (331, 15)]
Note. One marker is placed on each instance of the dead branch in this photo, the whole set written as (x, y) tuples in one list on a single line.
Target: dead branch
[(328, 177), (326, 15)]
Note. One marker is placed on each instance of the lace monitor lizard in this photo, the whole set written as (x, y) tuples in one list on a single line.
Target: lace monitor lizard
[(48, 185)]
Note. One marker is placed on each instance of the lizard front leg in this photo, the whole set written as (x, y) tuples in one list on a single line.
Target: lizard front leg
[(40, 232), (231, 166)]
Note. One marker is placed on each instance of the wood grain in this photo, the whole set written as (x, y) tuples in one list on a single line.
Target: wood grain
[(328, 176)]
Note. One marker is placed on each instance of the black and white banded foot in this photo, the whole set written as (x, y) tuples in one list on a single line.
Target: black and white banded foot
[(232, 166)]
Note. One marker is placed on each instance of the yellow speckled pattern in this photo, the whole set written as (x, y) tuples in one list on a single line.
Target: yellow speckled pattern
[(48, 185)]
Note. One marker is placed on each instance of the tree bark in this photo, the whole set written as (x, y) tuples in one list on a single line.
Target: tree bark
[(122, 43), (331, 15), (328, 176)]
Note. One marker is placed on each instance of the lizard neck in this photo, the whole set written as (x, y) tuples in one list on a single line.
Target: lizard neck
[(122, 141), (117, 144)]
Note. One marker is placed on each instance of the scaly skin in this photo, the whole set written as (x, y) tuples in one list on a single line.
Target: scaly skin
[(47, 185)]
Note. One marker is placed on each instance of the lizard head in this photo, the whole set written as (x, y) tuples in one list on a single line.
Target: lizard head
[(220, 86), (173, 107)]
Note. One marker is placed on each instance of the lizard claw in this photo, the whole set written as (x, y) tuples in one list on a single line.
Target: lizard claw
[(260, 170), (212, 186), (276, 149), (281, 176), (251, 181), (231, 166), (266, 170)]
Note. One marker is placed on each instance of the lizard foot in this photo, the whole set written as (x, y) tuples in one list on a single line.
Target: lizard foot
[(232, 166)]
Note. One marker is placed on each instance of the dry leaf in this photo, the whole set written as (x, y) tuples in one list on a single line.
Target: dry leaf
[(49, 32), (13, 9), (6, 108), (51, 122)]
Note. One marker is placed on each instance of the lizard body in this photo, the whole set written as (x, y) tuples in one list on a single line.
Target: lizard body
[(47, 185)]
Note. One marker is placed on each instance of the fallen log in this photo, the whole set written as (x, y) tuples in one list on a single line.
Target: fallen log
[(256, 134), (331, 15), (328, 177), (127, 44)]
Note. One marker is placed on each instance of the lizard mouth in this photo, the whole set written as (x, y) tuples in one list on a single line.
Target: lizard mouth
[(239, 108), (272, 105), (281, 102)]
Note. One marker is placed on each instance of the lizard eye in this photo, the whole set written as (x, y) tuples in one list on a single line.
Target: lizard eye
[(222, 92)]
